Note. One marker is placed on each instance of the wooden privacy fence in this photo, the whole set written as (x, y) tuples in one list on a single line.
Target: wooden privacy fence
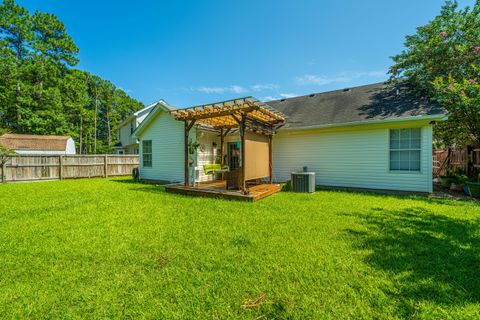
[(57, 167), (465, 159)]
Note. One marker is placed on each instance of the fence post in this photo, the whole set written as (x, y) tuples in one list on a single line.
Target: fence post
[(105, 165), (60, 167), (4, 170)]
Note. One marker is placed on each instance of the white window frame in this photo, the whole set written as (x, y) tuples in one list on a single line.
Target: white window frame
[(410, 148), (145, 153)]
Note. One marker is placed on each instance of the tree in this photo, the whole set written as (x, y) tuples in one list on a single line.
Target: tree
[(75, 99), (442, 61), (16, 34), (41, 92)]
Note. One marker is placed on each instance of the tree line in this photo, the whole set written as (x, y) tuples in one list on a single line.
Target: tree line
[(41, 91)]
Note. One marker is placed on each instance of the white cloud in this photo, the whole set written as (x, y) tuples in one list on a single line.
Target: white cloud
[(217, 90), (280, 96), (237, 89), (321, 80), (288, 95), (264, 87), (269, 98)]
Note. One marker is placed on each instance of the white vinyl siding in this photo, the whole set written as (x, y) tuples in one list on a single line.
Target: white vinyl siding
[(356, 158), (167, 149), (124, 134)]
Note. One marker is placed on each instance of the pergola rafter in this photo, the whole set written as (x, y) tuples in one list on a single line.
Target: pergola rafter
[(222, 113)]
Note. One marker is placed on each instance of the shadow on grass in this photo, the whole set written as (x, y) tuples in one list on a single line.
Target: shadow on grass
[(402, 195), (142, 187), (430, 258)]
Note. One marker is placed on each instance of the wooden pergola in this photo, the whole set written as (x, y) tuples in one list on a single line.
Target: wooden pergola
[(244, 114)]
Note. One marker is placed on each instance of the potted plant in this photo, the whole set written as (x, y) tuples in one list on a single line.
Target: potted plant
[(193, 145), (462, 180), (447, 179)]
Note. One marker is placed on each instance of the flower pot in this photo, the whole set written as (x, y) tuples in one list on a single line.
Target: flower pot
[(459, 188), (473, 189), (465, 189)]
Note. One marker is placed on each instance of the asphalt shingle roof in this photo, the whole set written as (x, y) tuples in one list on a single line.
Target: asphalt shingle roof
[(370, 102)]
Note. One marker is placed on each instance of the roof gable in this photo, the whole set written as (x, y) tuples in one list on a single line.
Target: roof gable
[(160, 106)]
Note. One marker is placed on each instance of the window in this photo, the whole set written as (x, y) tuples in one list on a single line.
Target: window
[(405, 147), (147, 153)]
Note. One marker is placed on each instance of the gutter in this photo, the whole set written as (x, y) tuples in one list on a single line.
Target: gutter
[(436, 117)]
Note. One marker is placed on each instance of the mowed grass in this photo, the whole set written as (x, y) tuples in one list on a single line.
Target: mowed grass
[(112, 248)]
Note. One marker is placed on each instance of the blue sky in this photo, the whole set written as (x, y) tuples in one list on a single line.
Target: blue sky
[(193, 52)]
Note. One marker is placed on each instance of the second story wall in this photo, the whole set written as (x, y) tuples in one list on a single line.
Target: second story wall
[(125, 133)]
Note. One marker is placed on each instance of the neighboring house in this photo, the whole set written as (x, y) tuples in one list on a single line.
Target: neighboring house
[(37, 144), (127, 144), (369, 137)]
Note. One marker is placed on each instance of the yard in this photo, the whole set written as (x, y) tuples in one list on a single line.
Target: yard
[(106, 248)]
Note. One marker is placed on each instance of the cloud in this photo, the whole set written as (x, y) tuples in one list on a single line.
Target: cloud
[(237, 89), (264, 87), (321, 80), (269, 98), (280, 96), (217, 90)]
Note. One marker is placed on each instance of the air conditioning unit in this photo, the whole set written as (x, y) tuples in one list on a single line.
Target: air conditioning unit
[(303, 181)]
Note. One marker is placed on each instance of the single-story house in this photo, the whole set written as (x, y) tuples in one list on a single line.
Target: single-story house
[(371, 137), (127, 143), (38, 144)]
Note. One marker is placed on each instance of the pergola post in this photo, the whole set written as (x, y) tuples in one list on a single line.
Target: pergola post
[(242, 139), (222, 138), (188, 126), (186, 153), (270, 167)]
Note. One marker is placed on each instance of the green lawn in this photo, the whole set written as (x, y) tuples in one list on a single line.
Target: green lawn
[(112, 248)]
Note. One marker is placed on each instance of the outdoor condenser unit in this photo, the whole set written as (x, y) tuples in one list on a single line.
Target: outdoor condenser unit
[(303, 181)]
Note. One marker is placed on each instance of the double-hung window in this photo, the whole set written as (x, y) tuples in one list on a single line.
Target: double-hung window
[(405, 149), (147, 153)]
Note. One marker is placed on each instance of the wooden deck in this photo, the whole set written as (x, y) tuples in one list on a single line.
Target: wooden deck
[(217, 189)]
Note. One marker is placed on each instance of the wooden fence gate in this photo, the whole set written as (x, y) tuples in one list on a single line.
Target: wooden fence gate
[(19, 168)]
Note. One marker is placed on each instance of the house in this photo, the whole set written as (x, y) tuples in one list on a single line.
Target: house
[(38, 144), (127, 144), (370, 137)]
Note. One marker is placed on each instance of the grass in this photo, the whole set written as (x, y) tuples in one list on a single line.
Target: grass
[(112, 248)]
